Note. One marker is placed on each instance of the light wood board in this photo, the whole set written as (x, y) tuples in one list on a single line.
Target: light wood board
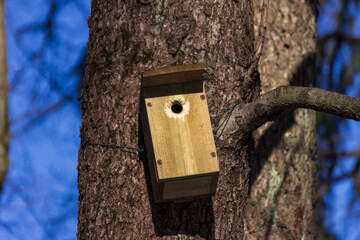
[(184, 146)]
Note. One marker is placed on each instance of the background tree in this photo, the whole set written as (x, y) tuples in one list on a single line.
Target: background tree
[(4, 121), (339, 159), (46, 43)]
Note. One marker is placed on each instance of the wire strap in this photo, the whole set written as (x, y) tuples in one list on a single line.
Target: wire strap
[(113, 146), (227, 117), (141, 150)]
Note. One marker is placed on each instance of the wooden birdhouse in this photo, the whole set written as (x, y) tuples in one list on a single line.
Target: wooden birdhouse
[(178, 135)]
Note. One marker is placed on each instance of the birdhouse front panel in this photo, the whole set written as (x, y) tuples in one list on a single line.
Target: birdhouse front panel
[(183, 154)]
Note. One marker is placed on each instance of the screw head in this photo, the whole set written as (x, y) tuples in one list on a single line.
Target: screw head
[(149, 104), (159, 162), (202, 97), (213, 154)]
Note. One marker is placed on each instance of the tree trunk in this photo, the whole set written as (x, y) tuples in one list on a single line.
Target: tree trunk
[(283, 182), (129, 38), (4, 121)]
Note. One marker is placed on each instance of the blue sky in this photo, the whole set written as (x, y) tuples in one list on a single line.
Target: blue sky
[(39, 199)]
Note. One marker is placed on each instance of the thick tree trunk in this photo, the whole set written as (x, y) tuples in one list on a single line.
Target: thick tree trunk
[(129, 38), (4, 121), (283, 184)]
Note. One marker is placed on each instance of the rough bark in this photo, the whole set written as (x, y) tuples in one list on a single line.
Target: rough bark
[(128, 38), (4, 121), (281, 204)]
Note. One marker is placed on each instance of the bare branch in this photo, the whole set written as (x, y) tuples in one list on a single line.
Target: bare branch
[(267, 106)]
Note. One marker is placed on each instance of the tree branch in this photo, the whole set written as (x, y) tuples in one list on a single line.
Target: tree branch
[(267, 106)]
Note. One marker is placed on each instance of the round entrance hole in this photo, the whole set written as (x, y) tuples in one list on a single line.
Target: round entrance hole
[(176, 107)]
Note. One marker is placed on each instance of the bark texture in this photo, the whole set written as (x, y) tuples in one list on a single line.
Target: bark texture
[(130, 37), (126, 39), (281, 204), (4, 121)]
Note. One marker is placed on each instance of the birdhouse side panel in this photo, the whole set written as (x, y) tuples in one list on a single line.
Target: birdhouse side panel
[(149, 149)]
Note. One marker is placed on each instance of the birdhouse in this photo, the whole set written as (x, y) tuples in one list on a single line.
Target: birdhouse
[(178, 135)]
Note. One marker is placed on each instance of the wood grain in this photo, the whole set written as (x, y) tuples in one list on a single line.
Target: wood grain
[(181, 150), (187, 188), (184, 146), (172, 75)]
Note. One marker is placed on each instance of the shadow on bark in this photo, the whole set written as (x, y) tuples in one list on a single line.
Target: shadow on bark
[(271, 139), (194, 218), (267, 142)]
